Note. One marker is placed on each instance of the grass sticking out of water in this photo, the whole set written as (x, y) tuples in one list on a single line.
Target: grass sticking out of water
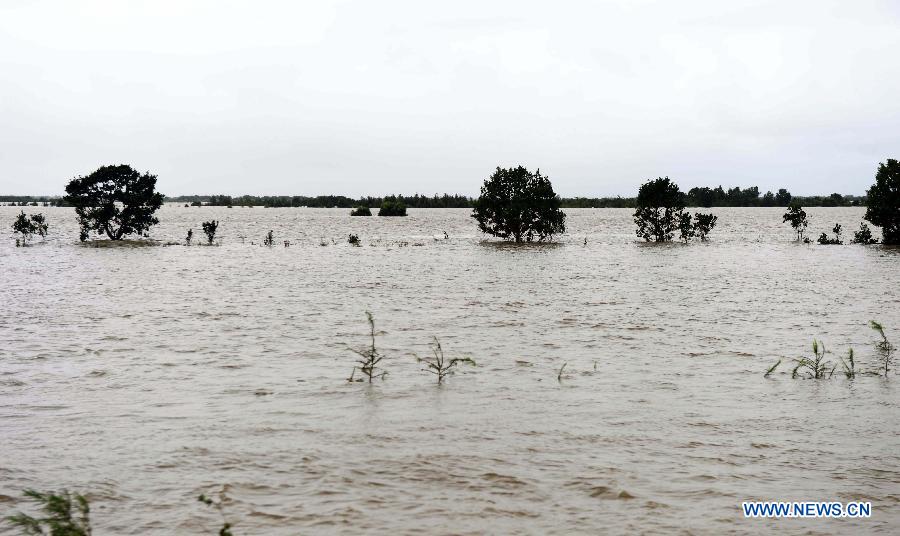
[(369, 358), (65, 514), (849, 365), (560, 374), (220, 506), (884, 349), (815, 367), (439, 365)]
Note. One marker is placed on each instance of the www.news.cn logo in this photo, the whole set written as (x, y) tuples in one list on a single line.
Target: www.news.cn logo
[(806, 509)]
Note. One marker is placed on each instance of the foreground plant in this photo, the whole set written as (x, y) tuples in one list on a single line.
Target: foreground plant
[(849, 365), (219, 505), (66, 514), (209, 228), (441, 366), (815, 367), (884, 348), (189, 237), (369, 358)]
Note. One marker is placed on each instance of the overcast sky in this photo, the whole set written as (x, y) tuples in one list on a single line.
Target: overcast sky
[(296, 97)]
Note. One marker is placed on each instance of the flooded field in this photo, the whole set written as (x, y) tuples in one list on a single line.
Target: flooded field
[(144, 376)]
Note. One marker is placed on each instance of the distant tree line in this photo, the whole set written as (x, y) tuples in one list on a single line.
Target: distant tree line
[(695, 197), (326, 201)]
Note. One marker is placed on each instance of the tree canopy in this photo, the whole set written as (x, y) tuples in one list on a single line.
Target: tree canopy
[(114, 200), (883, 207), (797, 218), (660, 205), (518, 205), (29, 225)]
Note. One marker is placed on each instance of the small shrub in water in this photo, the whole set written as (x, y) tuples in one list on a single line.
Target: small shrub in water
[(361, 211), (353, 240), (189, 237), (796, 216), (28, 226), (685, 226), (369, 357), (884, 348), (269, 240), (66, 514), (864, 235), (823, 238), (704, 224), (815, 367), (439, 365), (392, 207), (218, 505), (209, 228)]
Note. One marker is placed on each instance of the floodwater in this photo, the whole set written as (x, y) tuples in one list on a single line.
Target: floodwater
[(145, 376)]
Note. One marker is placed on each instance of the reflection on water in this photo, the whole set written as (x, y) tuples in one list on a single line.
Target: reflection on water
[(149, 375)]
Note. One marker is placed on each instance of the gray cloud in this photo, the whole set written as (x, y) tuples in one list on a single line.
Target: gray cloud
[(375, 97)]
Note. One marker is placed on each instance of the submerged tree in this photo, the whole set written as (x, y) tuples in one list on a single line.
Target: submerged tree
[(28, 226), (660, 206), (519, 205), (65, 514), (391, 206), (115, 200), (837, 229), (704, 224), (361, 211), (864, 235), (797, 218), (883, 203), (686, 226), (209, 228)]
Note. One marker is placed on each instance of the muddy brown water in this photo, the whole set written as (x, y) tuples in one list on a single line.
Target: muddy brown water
[(147, 375)]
